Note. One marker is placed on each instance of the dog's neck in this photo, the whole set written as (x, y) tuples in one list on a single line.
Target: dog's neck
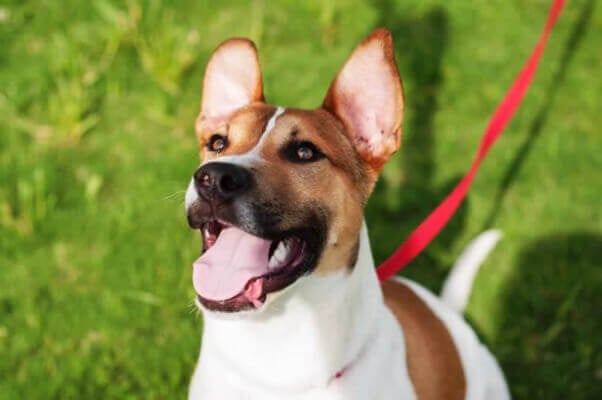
[(302, 340)]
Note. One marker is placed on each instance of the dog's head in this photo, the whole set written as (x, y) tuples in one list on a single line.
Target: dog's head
[(281, 191)]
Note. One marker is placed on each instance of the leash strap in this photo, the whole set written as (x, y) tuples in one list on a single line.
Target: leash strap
[(435, 222)]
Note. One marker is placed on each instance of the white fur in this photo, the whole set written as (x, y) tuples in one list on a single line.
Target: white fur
[(272, 122), (293, 346), (458, 285), (191, 194)]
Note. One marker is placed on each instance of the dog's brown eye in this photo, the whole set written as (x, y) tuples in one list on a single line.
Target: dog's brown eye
[(217, 143), (301, 152), (305, 153)]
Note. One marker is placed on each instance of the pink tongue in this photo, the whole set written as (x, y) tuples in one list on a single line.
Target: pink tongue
[(223, 271)]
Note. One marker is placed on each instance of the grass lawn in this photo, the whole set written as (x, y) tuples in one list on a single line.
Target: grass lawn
[(97, 103)]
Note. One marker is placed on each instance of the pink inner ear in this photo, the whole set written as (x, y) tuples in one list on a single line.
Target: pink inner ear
[(367, 97), (232, 80)]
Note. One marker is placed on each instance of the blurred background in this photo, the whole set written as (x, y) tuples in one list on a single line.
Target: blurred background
[(97, 103)]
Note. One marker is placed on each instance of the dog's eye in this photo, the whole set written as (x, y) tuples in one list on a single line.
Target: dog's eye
[(217, 143), (302, 152), (305, 153)]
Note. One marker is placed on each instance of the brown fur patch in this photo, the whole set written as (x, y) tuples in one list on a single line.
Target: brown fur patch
[(243, 130), (432, 358)]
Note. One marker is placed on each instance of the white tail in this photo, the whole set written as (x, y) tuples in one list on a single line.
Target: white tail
[(458, 285)]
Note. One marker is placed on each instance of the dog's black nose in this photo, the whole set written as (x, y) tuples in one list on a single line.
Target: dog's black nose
[(220, 181)]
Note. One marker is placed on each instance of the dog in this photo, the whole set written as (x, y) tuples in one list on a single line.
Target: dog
[(291, 304)]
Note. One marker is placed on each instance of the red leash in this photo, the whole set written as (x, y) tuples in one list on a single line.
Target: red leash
[(433, 224)]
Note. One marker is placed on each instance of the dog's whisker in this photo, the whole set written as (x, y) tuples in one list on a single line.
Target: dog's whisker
[(179, 193)]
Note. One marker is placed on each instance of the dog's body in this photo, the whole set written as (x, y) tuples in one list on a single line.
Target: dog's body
[(292, 306)]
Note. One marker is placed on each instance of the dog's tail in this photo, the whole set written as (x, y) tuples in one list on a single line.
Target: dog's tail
[(458, 285)]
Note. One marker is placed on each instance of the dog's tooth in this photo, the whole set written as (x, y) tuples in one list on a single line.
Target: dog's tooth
[(279, 255), (273, 263), (282, 250)]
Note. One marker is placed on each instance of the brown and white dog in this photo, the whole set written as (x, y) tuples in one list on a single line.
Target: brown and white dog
[(291, 303)]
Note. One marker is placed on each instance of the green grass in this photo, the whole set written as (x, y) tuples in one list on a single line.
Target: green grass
[(96, 147)]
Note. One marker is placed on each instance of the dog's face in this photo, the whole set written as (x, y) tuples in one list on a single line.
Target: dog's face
[(280, 193)]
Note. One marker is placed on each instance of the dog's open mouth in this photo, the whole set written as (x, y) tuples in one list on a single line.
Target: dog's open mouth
[(237, 269)]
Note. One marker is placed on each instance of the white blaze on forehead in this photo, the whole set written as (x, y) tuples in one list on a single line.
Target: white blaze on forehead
[(252, 155), (270, 125), (268, 128)]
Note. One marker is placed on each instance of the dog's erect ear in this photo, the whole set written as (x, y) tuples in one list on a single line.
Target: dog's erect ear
[(232, 80), (367, 96)]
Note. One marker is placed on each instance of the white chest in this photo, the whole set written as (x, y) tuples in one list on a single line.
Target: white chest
[(379, 372)]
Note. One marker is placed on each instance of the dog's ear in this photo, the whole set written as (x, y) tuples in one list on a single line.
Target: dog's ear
[(367, 96), (232, 80)]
